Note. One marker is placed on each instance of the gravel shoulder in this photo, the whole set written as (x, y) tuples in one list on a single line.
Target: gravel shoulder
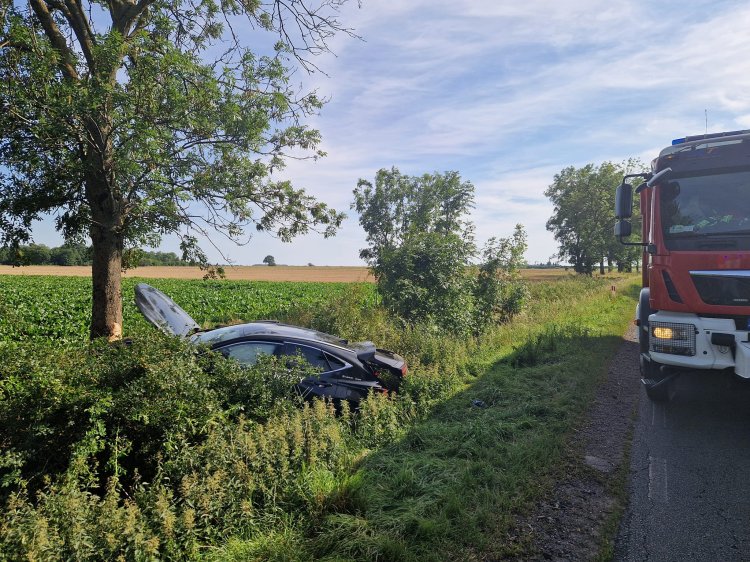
[(577, 520)]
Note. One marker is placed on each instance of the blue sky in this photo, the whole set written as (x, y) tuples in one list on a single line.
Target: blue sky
[(508, 94)]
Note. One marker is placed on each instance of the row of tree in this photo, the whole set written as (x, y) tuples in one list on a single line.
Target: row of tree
[(79, 254), (583, 216)]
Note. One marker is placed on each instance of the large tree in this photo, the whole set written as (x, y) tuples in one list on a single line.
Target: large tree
[(130, 119), (583, 216)]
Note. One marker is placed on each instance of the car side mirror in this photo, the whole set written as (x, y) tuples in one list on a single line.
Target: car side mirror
[(624, 201)]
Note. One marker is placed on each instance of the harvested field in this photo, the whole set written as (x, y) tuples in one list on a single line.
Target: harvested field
[(546, 274), (314, 274)]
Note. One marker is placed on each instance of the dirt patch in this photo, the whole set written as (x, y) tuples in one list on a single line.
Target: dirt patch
[(575, 519)]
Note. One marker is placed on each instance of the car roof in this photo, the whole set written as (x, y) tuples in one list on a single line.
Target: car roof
[(267, 328)]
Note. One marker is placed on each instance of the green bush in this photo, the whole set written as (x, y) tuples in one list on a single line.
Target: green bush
[(113, 410), (425, 280), (499, 292), (237, 483)]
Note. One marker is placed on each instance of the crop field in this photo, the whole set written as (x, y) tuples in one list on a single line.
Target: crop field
[(313, 274), (60, 307), (151, 451)]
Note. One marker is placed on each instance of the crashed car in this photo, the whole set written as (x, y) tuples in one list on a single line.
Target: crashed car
[(346, 371)]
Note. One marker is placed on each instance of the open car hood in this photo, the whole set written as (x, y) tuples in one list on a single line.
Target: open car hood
[(163, 312)]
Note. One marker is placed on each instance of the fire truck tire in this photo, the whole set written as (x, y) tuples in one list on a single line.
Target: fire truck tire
[(650, 370)]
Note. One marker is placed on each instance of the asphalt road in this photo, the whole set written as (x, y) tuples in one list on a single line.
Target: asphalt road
[(690, 474)]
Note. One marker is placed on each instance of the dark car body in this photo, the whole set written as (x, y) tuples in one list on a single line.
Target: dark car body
[(347, 371)]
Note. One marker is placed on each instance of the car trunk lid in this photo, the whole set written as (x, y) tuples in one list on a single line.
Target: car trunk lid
[(163, 312)]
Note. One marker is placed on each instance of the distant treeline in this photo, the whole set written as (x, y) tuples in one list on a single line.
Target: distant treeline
[(79, 254)]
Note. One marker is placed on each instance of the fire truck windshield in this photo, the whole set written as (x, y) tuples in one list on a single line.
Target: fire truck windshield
[(704, 205)]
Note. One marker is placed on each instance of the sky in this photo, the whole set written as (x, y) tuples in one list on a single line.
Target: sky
[(507, 94)]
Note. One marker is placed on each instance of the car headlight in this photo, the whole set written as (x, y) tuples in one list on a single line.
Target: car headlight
[(669, 337)]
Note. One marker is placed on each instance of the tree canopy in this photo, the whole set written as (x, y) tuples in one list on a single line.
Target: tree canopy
[(130, 119), (421, 246), (583, 216), (420, 242)]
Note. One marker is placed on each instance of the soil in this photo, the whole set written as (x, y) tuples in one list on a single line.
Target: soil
[(574, 521)]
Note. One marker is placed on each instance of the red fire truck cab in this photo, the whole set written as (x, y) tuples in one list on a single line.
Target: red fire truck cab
[(694, 307)]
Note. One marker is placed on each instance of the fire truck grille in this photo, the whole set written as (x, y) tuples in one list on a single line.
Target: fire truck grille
[(723, 289)]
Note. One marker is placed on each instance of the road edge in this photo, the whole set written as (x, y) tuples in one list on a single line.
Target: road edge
[(578, 518)]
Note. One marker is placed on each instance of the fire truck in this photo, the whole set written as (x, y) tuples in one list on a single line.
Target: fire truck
[(694, 308)]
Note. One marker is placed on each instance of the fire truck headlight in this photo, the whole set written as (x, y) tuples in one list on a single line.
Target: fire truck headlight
[(669, 337), (663, 333)]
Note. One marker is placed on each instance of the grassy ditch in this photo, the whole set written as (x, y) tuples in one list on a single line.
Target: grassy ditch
[(450, 487), (159, 453)]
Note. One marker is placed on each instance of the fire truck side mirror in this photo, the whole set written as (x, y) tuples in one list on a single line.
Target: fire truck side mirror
[(623, 229), (624, 201)]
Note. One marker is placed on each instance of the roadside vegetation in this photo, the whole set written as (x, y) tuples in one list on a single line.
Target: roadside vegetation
[(421, 249), (151, 450)]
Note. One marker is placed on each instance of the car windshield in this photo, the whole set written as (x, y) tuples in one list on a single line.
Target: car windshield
[(709, 205)]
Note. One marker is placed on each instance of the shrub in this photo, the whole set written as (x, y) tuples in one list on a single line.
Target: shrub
[(112, 410), (500, 292)]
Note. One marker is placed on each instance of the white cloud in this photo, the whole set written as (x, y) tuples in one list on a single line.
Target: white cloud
[(509, 93)]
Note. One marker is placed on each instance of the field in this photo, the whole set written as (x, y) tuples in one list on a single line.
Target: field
[(43, 307), (151, 451), (315, 274)]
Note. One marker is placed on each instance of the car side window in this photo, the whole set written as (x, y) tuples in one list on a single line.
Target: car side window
[(247, 352), (316, 357), (335, 362)]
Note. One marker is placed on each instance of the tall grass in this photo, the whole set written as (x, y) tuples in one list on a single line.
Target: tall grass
[(451, 486), (159, 452)]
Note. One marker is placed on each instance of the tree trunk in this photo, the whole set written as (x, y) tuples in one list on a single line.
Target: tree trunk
[(107, 235), (106, 276), (601, 266)]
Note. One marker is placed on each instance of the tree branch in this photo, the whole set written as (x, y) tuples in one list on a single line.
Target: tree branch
[(125, 13), (67, 62), (81, 27)]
